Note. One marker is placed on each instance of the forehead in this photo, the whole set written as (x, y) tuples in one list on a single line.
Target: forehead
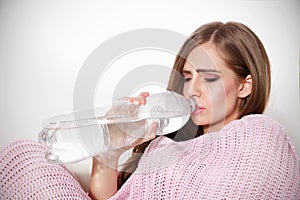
[(205, 56)]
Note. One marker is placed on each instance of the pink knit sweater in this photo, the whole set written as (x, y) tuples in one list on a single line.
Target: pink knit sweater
[(250, 158)]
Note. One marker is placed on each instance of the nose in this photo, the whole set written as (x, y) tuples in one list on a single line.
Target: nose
[(196, 86)]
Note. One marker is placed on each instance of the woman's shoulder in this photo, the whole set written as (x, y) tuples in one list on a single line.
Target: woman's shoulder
[(256, 126), (259, 131), (261, 117), (256, 122)]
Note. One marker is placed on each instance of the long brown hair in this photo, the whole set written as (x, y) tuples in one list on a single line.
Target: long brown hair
[(243, 53)]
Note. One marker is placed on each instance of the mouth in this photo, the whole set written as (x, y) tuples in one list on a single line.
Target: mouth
[(198, 110)]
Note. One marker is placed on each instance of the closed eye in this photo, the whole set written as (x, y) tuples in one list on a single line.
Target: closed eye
[(210, 77), (207, 75), (187, 75), (187, 79)]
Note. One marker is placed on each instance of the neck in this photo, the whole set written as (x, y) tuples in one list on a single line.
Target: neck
[(213, 128), (216, 127)]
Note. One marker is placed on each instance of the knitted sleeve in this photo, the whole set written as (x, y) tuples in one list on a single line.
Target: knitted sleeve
[(250, 158), (25, 174)]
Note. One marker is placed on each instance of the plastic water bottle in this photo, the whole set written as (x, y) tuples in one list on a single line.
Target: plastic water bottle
[(79, 135)]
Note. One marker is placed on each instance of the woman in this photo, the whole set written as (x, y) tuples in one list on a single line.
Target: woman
[(227, 150), (241, 154)]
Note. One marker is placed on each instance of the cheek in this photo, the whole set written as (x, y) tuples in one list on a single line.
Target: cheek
[(223, 96), (217, 95)]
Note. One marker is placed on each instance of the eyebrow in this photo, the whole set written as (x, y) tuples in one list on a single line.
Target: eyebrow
[(201, 70)]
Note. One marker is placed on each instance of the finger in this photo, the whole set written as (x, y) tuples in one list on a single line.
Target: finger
[(135, 100), (139, 100), (143, 97), (144, 94)]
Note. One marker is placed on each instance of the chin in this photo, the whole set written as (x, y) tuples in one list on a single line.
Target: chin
[(200, 121)]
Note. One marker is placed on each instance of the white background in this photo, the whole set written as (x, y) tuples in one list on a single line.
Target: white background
[(43, 45)]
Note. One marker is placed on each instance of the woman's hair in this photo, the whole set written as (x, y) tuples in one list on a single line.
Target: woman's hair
[(243, 53)]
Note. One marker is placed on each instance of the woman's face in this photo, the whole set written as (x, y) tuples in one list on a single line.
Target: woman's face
[(214, 86)]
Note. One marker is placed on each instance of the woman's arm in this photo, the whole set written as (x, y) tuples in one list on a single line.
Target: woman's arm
[(103, 182), (104, 176)]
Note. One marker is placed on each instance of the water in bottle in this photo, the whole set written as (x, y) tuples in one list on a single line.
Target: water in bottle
[(85, 133)]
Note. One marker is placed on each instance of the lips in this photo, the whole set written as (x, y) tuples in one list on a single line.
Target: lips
[(198, 110)]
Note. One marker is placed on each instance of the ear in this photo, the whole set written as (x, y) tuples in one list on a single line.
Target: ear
[(245, 87)]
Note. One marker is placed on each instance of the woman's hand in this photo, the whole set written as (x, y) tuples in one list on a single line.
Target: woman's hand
[(125, 135)]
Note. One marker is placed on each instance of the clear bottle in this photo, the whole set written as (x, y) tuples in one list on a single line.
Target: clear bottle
[(79, 135)]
